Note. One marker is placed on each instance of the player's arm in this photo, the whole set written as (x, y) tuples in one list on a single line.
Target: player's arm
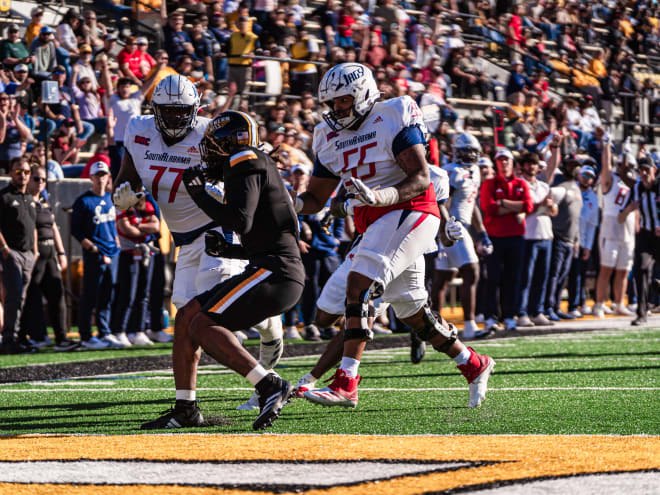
[(321, 186), (242, 194), (445, 219), (126, 184), (606, 163)]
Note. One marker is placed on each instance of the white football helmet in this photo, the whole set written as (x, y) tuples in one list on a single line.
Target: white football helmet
[(351, 79), (175, 103), (467, 149), (484, 161)]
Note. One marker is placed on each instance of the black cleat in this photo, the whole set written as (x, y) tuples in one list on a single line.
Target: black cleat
[(66, 345), (176, 417), (11, 347), (274, 394), (417, 348), (639, 322)]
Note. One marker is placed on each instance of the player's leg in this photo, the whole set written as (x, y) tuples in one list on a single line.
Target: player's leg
[(623, 266), (608, 256), (408, 298), (388, 247)]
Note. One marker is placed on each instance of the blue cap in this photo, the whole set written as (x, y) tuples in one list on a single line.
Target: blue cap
[(46, 30), (588, 170)]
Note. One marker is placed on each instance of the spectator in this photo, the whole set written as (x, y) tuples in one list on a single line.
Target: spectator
[(647, 240), (13, 131), (147, 61), (329, 21), (538, 243), (588, 223), (38, 159), (517, 80), (93, 225), (130, 60), (566, 231), (159, 71), (453, 41), (505, 200), (240, 44), (32, 31), (65, 33), (46, 279), (135, 270), (92, 30), (83, 67), (88, 102), (177, 41), (203, 49), (45, 53), (13, 51), (65, 144), (304, 76), (18, 245)]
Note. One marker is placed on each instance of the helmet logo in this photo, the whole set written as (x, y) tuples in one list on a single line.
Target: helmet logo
[(354, 76)]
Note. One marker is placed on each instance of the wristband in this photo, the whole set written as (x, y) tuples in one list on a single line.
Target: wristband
[(298, 204), (61, 253), (387, 196)]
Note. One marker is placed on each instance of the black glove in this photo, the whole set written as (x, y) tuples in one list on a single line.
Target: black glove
[(194, 179), (215, 243)]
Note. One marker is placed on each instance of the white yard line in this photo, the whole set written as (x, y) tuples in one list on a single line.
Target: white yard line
[(366, 389)]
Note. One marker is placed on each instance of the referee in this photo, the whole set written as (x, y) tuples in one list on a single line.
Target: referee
[(643, 197)]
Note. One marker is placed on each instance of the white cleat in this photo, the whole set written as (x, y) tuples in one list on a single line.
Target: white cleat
[(623, 311), (140, 338), (477, 371), (305, 384), (124, 339), (597, 311), (251, 404)]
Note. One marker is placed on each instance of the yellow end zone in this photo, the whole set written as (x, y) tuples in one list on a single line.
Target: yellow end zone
[(513, 457)]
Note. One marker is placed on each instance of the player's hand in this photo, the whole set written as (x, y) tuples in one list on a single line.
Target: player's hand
[(214, 243), (124, 197), (194, 180), (358, 190), (453, 230), (484, 244)]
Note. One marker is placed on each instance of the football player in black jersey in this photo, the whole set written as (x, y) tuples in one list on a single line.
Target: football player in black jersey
[(258, 207)]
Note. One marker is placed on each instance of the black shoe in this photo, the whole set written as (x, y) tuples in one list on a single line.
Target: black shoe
[(328, 333), (274, 394), (488, 333), (639, 321), (66, 345), (17, 348), (417, 348), (177, 417), (564, 316)]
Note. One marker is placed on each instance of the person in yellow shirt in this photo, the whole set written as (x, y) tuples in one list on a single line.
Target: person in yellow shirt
[(596, 66), (582, 77), (240, 43), (163, 70), (33, 28), (561, 65), (304, 77), (232, 18), (626, 28)]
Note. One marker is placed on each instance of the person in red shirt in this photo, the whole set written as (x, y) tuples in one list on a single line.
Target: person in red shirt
[(130, 60), (505, 199)]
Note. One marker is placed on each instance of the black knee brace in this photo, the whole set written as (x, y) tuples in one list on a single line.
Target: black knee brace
[(432, 327), (364, 311)]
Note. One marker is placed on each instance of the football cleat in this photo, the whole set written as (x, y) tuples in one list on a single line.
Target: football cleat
[(305, 384), (140, 338), (65, 345), (477, 371), (341, 392), (251, 404), (271, 401), (159, 336), (417, 348), (176, 417)]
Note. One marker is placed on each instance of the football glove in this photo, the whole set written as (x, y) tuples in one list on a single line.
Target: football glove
[(194, 181), (214, 243), (356, 189), (124, 197), (453, 230)]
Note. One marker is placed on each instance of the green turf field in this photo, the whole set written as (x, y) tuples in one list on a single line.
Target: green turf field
[(605, 382)]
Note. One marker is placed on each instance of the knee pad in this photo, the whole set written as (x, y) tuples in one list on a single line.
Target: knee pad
[(364, 311), (270, 329), (432, 327)]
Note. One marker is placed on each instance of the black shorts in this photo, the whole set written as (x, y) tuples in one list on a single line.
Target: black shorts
[(249, 298)]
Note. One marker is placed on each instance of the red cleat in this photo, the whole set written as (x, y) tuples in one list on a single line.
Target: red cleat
[(477, 371), (341, 392)]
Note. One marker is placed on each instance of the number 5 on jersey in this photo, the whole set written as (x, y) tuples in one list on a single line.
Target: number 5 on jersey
[(160, 171), (362, 150)]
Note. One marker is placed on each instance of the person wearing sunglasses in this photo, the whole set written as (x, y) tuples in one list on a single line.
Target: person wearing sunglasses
[(46, 277), (12, 130), (18, 251)]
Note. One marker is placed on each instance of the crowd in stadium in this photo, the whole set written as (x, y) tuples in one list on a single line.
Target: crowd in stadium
[(563, 74)]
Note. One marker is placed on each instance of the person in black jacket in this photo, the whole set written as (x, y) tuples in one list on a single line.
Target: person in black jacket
[(259, 209)]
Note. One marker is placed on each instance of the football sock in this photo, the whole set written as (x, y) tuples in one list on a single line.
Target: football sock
[(270, 353), (189, 395), (463, 357), (185, 403), (350, 366), (256, 374)]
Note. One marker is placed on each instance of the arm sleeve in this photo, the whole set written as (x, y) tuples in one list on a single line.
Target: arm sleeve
[(407, 137), (322, 171), (242, 197)]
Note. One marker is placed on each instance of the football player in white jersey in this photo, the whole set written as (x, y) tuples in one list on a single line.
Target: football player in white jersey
[(159, 148), (464, 181), (616, 241), (331, 304), (376, 150)]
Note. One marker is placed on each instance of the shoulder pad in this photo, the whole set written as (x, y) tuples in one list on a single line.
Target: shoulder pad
[(246, 160)]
